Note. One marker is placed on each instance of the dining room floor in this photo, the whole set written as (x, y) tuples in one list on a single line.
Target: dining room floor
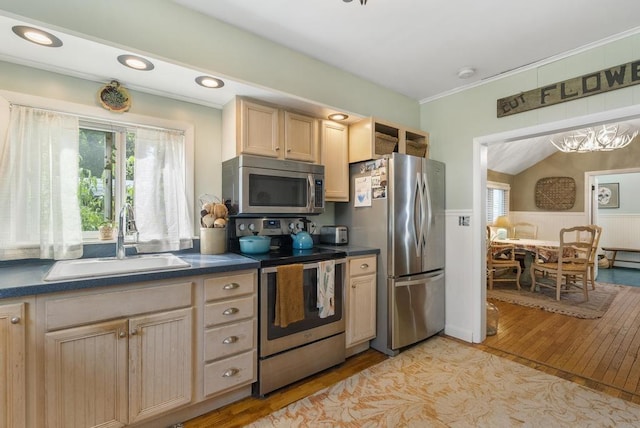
[(619, 275), (599, 353)]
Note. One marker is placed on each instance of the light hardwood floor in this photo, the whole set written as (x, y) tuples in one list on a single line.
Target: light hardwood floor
[(250, 409), (602, 354)]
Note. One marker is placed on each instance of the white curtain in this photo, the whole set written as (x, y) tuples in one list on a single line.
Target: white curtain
[(163, 215), (39, 208)]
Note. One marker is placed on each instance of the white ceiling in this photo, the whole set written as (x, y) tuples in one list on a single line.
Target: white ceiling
[(414, 47)]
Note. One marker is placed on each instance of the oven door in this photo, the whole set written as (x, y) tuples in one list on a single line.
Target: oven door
[(270, 191), (274, 339)]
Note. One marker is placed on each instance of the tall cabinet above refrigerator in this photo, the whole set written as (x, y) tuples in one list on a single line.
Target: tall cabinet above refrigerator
[(397, 205)]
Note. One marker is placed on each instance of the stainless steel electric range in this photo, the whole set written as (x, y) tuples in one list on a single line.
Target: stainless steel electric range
[(287, 354)]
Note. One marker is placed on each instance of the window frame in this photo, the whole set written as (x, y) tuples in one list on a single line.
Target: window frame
[(119, 145), (506, 187), (97, 115)]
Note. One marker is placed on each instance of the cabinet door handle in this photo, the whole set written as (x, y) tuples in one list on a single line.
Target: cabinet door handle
[(133, 332), (231, 286), (288, 150), (230, 311), (230, 372), (277, 148), (229, 340), (353, 286), (15, 320), (364, 266), (122, 334)]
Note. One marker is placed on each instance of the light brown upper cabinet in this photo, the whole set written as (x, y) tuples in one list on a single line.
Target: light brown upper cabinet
[(335, 158), (258, 128), (372, 138)]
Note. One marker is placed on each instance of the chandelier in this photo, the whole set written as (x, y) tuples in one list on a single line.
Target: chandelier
[(601, 139)]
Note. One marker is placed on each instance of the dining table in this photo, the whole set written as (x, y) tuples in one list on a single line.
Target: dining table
[(547, 251)]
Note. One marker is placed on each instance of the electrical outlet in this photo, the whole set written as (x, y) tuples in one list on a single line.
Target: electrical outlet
[(464, 220)]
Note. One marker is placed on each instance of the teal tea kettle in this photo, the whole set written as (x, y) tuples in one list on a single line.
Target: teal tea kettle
[(302, 240)]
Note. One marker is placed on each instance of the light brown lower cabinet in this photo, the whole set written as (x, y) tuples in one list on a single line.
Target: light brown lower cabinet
[(115, 373), (86, 376), (143, 354), (12, 366), (361, 301)]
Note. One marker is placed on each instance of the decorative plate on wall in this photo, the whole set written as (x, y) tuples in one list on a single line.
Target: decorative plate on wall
[(555, 193), (114, 97)]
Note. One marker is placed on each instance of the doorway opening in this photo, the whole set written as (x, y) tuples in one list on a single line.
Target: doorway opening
[(480, 149)]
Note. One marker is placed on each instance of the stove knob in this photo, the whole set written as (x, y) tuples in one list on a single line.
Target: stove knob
[(241, 227), (252, 227), (292, 226)]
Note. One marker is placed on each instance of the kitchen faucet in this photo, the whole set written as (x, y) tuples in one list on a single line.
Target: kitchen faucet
[(126, 221)]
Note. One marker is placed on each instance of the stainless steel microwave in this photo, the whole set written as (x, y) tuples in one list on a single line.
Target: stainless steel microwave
[(253, 185)]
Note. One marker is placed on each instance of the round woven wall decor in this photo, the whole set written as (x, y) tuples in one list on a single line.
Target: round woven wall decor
[(555, 193)]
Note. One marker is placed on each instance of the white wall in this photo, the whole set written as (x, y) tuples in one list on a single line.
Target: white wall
[(458, 312), (549, 223), (628, 190)]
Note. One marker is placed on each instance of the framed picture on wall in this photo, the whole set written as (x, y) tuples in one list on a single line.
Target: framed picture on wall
[(608, 195)]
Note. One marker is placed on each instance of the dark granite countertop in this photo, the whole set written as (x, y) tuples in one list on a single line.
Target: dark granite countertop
[(26, 278)]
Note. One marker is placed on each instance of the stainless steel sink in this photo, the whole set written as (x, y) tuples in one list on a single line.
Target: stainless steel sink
[(86, 268)]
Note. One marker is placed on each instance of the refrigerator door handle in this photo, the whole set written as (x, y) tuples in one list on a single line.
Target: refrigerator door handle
[(418, 217), (421, 212), (429, 212), (420, 281)]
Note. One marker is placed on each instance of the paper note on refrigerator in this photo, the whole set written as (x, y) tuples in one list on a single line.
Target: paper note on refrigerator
[(363, 191)]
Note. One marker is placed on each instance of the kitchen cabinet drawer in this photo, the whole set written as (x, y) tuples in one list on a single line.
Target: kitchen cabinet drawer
[(227, 311), (229, 373), (224, 287), (227, 340), (362, 266)]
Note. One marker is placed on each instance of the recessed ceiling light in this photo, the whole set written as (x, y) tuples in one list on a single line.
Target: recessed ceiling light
[(135, 62), (209, 82), (466, 72), (338, 116), (37, 36)]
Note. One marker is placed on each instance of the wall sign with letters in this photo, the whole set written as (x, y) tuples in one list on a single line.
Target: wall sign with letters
[(598, 82)]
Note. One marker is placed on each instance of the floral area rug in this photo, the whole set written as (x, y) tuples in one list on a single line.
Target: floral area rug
[(444, 383), (572, 304)]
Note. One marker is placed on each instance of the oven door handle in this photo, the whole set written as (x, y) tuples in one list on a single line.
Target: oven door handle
[(305, 266)]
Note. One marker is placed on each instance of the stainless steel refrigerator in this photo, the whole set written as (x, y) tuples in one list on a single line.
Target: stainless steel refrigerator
[(397, 205)]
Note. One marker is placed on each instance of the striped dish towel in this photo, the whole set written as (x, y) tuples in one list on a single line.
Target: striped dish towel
[(326, 301)]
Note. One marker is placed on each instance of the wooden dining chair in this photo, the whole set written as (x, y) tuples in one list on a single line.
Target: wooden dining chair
[(500, 261), (594, 254), (523, 230), (568, 265)]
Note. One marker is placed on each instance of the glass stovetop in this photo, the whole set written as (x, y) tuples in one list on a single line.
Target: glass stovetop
[(289, 255)]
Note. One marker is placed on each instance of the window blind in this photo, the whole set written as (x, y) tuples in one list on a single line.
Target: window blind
[(497, 200)]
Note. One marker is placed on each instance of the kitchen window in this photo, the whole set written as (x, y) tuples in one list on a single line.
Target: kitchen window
[(497, 200), (105, 175), (141, 166), (66, 168)]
